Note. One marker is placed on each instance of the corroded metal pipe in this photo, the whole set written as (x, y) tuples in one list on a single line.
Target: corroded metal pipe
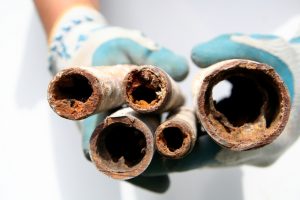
[(122, 146), (176, 137), (78, 92), (149, 89), (255, 113)]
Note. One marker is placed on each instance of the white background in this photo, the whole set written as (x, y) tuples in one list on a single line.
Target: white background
[(40, 153)]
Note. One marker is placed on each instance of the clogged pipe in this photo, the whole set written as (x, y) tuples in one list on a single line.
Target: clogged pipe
[(78, 92), (256, 112), (122, 146), (176, 137), (149, 89)]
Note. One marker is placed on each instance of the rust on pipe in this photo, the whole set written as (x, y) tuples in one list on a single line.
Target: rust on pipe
[(176, 137), (78, 92), (149, 89), (256, 112), (122, 146)]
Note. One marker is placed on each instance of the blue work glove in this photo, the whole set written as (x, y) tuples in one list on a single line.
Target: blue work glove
[(284, 56), (83, 38)]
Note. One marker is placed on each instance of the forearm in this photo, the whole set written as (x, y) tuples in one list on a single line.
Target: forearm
[(51, 10)]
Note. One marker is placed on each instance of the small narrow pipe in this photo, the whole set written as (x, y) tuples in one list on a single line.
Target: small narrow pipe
[(122, 146), (149, 89), (253, 115), (78, 92), (176, 137)]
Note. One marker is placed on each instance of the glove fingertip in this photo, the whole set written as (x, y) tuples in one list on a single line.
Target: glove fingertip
[(213, 51), (158, 184), (176, 66), (179, 70), (86, 154), (197, 58), (295, 40)]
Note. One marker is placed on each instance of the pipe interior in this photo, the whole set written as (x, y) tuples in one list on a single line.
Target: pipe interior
[(144, 88), (144, 93), (73, 87), (122, 145), (173, 138), (252, 94)]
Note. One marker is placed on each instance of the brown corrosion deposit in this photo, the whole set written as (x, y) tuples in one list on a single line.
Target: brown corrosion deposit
[(149, 89), (253, 115), (145, 90), (74, 93)]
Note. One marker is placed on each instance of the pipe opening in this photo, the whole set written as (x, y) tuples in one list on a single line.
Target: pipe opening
[(145, 94), (252, 95), (144, 88), (221, 90), (121, 145), (244, 102), (72, 87), (173, 138)]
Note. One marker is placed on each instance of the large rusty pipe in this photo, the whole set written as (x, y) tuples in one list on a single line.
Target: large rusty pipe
[(256, 112)]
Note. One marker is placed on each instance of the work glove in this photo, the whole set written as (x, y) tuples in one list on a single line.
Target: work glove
[(82, 37), (282, 53)]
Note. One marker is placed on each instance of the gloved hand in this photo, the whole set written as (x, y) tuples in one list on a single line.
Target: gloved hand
[(284, 56), (83, 38)]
